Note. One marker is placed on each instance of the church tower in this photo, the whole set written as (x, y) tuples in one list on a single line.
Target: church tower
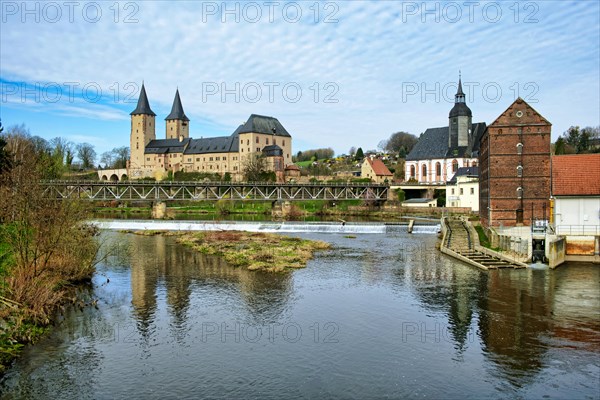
[(142, 130), (178, 124), (460, 120)]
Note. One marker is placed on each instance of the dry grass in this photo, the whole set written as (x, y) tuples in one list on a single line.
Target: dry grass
[(255, 251)]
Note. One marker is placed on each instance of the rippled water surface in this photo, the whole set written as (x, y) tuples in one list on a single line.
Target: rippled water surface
[(379, 316)]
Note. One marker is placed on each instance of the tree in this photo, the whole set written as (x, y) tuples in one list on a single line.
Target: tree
[(107, 159), (121, 156), (352, 151), (359, 154), (254, 167), (86, 154), (559, 146), (399, 142)]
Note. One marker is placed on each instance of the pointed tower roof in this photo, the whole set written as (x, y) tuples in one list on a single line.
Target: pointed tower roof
[(177, 109), (143, 107), (460, 108)]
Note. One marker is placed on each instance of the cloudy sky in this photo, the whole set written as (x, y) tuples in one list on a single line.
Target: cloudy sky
[(336, 74)]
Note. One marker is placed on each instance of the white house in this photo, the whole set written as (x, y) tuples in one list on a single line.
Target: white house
[(440, 152), (576, 195), (463, 189)]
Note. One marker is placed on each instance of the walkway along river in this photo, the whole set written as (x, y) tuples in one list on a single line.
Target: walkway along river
[(381, 315)]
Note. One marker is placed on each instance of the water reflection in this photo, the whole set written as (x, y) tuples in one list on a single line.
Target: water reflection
[(182, 273)]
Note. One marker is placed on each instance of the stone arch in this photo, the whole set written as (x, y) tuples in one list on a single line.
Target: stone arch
[(104, 178), (114, 178), (124, 177)]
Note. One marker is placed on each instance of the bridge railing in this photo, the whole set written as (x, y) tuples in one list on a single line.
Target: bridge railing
[(211, 183)]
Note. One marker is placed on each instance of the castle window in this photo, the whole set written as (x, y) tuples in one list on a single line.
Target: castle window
[(210, 159), (267, 140), (137, 146), (519, 193), (224, 158), (258, 149), (147, 158), (197, 159), (519, 148), (283, 144), (189, 160), (248, 141), (210, 167), (520, 171), (257, 140), (274, 141), (217, 158), (171, 128), (242, 150)]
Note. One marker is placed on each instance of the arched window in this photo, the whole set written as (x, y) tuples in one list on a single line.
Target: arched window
[(412, 171), (454, 165), (519, 192), (474, 164), (424, 172), (520, 171), (438, 171), (519, 148)]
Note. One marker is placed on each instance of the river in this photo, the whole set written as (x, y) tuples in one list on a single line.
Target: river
[(378, 316)]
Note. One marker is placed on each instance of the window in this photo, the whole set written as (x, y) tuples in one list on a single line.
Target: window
[(519, 193), (438, 171), (274, 141), (454, 165), (519, 148), (210, 159), (217, 158), (283, 142), (224, 158), (248, 141), (257, 139), (197, 159), (412, 171), (452, 190), (424, 172), (147, 158), (472, 190), (257, 149), (520, 171), (267, 140), (461, 191), (189, 160)]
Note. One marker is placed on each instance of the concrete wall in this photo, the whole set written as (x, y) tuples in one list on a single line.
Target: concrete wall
[(555, 251), (573, 212)]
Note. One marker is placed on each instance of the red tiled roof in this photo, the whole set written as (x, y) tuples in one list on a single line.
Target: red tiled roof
[(379, 167), (576, 175)]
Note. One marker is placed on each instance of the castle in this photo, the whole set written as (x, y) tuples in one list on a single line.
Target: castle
[(152, 157)]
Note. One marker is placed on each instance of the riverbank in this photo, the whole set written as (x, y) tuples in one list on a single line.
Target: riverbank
[(255, 251), (301, 210)]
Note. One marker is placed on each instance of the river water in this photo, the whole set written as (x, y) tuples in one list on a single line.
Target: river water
[(378, 316)]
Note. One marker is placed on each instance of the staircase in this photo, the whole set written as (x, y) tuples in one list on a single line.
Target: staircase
[(461, 244)]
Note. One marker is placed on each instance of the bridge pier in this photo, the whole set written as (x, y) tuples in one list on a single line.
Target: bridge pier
[(159, 210)]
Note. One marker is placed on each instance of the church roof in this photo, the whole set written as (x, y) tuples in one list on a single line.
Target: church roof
[(434, 144), (143, 107), (166, 146), (177, 109), (262, 124)]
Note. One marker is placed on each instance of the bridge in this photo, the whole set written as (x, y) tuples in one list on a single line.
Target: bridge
[(181, 191)]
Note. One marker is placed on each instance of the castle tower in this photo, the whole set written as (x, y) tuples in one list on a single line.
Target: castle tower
[(460, 120), (142, 130), (178, 126)]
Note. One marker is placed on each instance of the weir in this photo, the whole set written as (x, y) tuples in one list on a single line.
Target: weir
[(283, 227)]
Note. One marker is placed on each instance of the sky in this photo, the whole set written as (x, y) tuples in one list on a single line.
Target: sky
[(335, 73)]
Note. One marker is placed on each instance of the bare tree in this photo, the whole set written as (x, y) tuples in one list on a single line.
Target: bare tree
[(107, 159), (86, 154), (120, 156), (254, 167)]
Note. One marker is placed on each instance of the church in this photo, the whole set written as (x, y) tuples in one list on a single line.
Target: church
[(152, 157), (440, 152)]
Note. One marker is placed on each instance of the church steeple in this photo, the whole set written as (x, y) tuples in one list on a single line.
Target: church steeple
[(177, 109), (459, 120), (143, 107)]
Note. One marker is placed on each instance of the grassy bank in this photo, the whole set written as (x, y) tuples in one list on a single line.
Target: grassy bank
[(45, 249)]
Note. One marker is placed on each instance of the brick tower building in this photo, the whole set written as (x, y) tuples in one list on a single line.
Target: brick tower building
[(514, 159)]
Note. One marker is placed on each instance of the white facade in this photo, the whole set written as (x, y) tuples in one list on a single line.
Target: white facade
[(435, 171), (465, 193), (577, 215)]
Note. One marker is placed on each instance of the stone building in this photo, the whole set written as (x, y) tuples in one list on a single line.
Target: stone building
[(152, 157), (515, 168), (440, 152)]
